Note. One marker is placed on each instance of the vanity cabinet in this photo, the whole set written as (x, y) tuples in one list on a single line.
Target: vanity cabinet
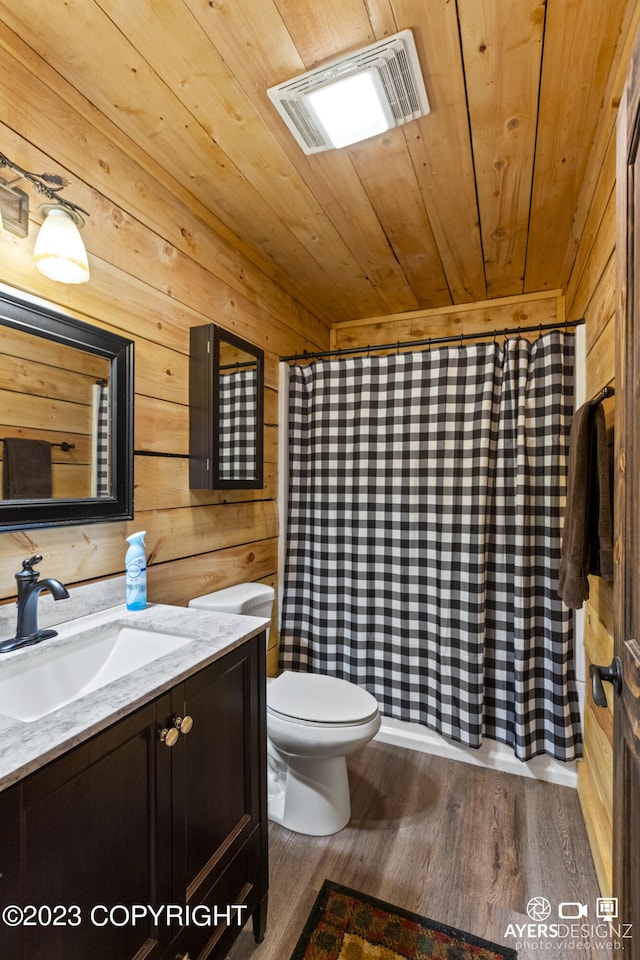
[(87, 837), (125, 822), (217, 816)]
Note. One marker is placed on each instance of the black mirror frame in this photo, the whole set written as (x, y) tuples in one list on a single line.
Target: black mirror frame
[(42, 320), (204, 407)]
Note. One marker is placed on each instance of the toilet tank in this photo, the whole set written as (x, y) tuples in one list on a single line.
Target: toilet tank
[(252, 599)]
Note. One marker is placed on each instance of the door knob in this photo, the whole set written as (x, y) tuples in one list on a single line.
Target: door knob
[(612, 674)]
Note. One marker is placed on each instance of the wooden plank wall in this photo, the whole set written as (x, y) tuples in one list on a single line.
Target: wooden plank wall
[(488, 316), (159, 265), (591, 293)]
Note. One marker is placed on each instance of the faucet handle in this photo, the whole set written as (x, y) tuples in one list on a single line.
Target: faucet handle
[(28, 574)]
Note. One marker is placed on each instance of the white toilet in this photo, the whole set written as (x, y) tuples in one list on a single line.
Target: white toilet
[(313, 723)]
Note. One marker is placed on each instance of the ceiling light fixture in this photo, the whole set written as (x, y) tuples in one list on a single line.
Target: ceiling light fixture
[(59, 252), (354, 97)]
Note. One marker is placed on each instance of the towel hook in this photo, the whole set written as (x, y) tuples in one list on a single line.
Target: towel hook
[(606, 392)]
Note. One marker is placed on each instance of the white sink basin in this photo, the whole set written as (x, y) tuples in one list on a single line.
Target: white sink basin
[(32, 686)]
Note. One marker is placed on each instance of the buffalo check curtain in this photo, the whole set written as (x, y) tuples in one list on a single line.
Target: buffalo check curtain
[(426, 497), (100, 486), (237, 441)]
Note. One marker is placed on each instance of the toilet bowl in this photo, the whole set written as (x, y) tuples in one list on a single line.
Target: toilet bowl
[(313, 723)]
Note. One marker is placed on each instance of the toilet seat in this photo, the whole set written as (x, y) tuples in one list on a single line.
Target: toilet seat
[(319, 700)]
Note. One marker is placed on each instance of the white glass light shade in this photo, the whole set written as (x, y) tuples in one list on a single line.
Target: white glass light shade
[(59, 252), (352, 109)]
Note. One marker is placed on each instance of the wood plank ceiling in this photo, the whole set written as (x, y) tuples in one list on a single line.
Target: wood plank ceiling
[(475, 200)]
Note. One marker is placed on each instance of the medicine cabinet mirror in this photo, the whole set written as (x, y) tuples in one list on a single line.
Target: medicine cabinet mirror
[(226, 389), (66, 418)]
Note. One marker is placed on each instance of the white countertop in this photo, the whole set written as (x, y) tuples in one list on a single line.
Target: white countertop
[(27, 746)]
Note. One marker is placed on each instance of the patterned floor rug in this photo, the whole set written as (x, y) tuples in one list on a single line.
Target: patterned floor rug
[(347, 925)]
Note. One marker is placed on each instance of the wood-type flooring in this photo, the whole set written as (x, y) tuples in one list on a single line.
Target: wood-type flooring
[(461, 844)]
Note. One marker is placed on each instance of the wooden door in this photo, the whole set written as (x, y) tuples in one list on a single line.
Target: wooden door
[(626, 842)]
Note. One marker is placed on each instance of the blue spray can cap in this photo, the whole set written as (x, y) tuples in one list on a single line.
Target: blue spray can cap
[(137, 537)]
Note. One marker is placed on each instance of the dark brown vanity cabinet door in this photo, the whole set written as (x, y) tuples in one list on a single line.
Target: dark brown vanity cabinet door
[(219, 798), (10, 936), (88, 846), (127, 820)]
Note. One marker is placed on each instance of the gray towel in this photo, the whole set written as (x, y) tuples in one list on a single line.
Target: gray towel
[(587, 543), (26, 470)]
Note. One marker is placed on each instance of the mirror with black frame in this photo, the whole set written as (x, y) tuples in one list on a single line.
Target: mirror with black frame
[(66, 418), (226, 389)]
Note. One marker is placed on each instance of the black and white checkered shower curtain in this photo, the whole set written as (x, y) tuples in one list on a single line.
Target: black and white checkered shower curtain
[(237, 424), (425, 508), (101, 472)]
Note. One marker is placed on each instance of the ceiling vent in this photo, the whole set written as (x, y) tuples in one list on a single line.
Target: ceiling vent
[(315, 105)]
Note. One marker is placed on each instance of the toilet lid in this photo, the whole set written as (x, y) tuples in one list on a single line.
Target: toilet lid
[(317, 698)]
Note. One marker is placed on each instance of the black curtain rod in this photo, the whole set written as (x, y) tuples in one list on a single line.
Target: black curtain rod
[(237, 366), (431, 341)]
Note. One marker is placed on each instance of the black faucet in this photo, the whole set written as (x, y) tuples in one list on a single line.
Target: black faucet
[(29, 590)]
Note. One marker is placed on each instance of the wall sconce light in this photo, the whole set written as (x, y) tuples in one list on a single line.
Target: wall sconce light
[(59, 252)]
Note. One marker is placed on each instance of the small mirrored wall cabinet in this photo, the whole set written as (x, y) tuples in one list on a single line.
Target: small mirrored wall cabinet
[(226, 403)]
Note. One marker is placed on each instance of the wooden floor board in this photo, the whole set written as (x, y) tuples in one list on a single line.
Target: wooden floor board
[(457, 843)]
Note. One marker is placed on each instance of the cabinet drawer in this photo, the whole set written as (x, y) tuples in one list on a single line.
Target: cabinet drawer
[(236, 886)]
